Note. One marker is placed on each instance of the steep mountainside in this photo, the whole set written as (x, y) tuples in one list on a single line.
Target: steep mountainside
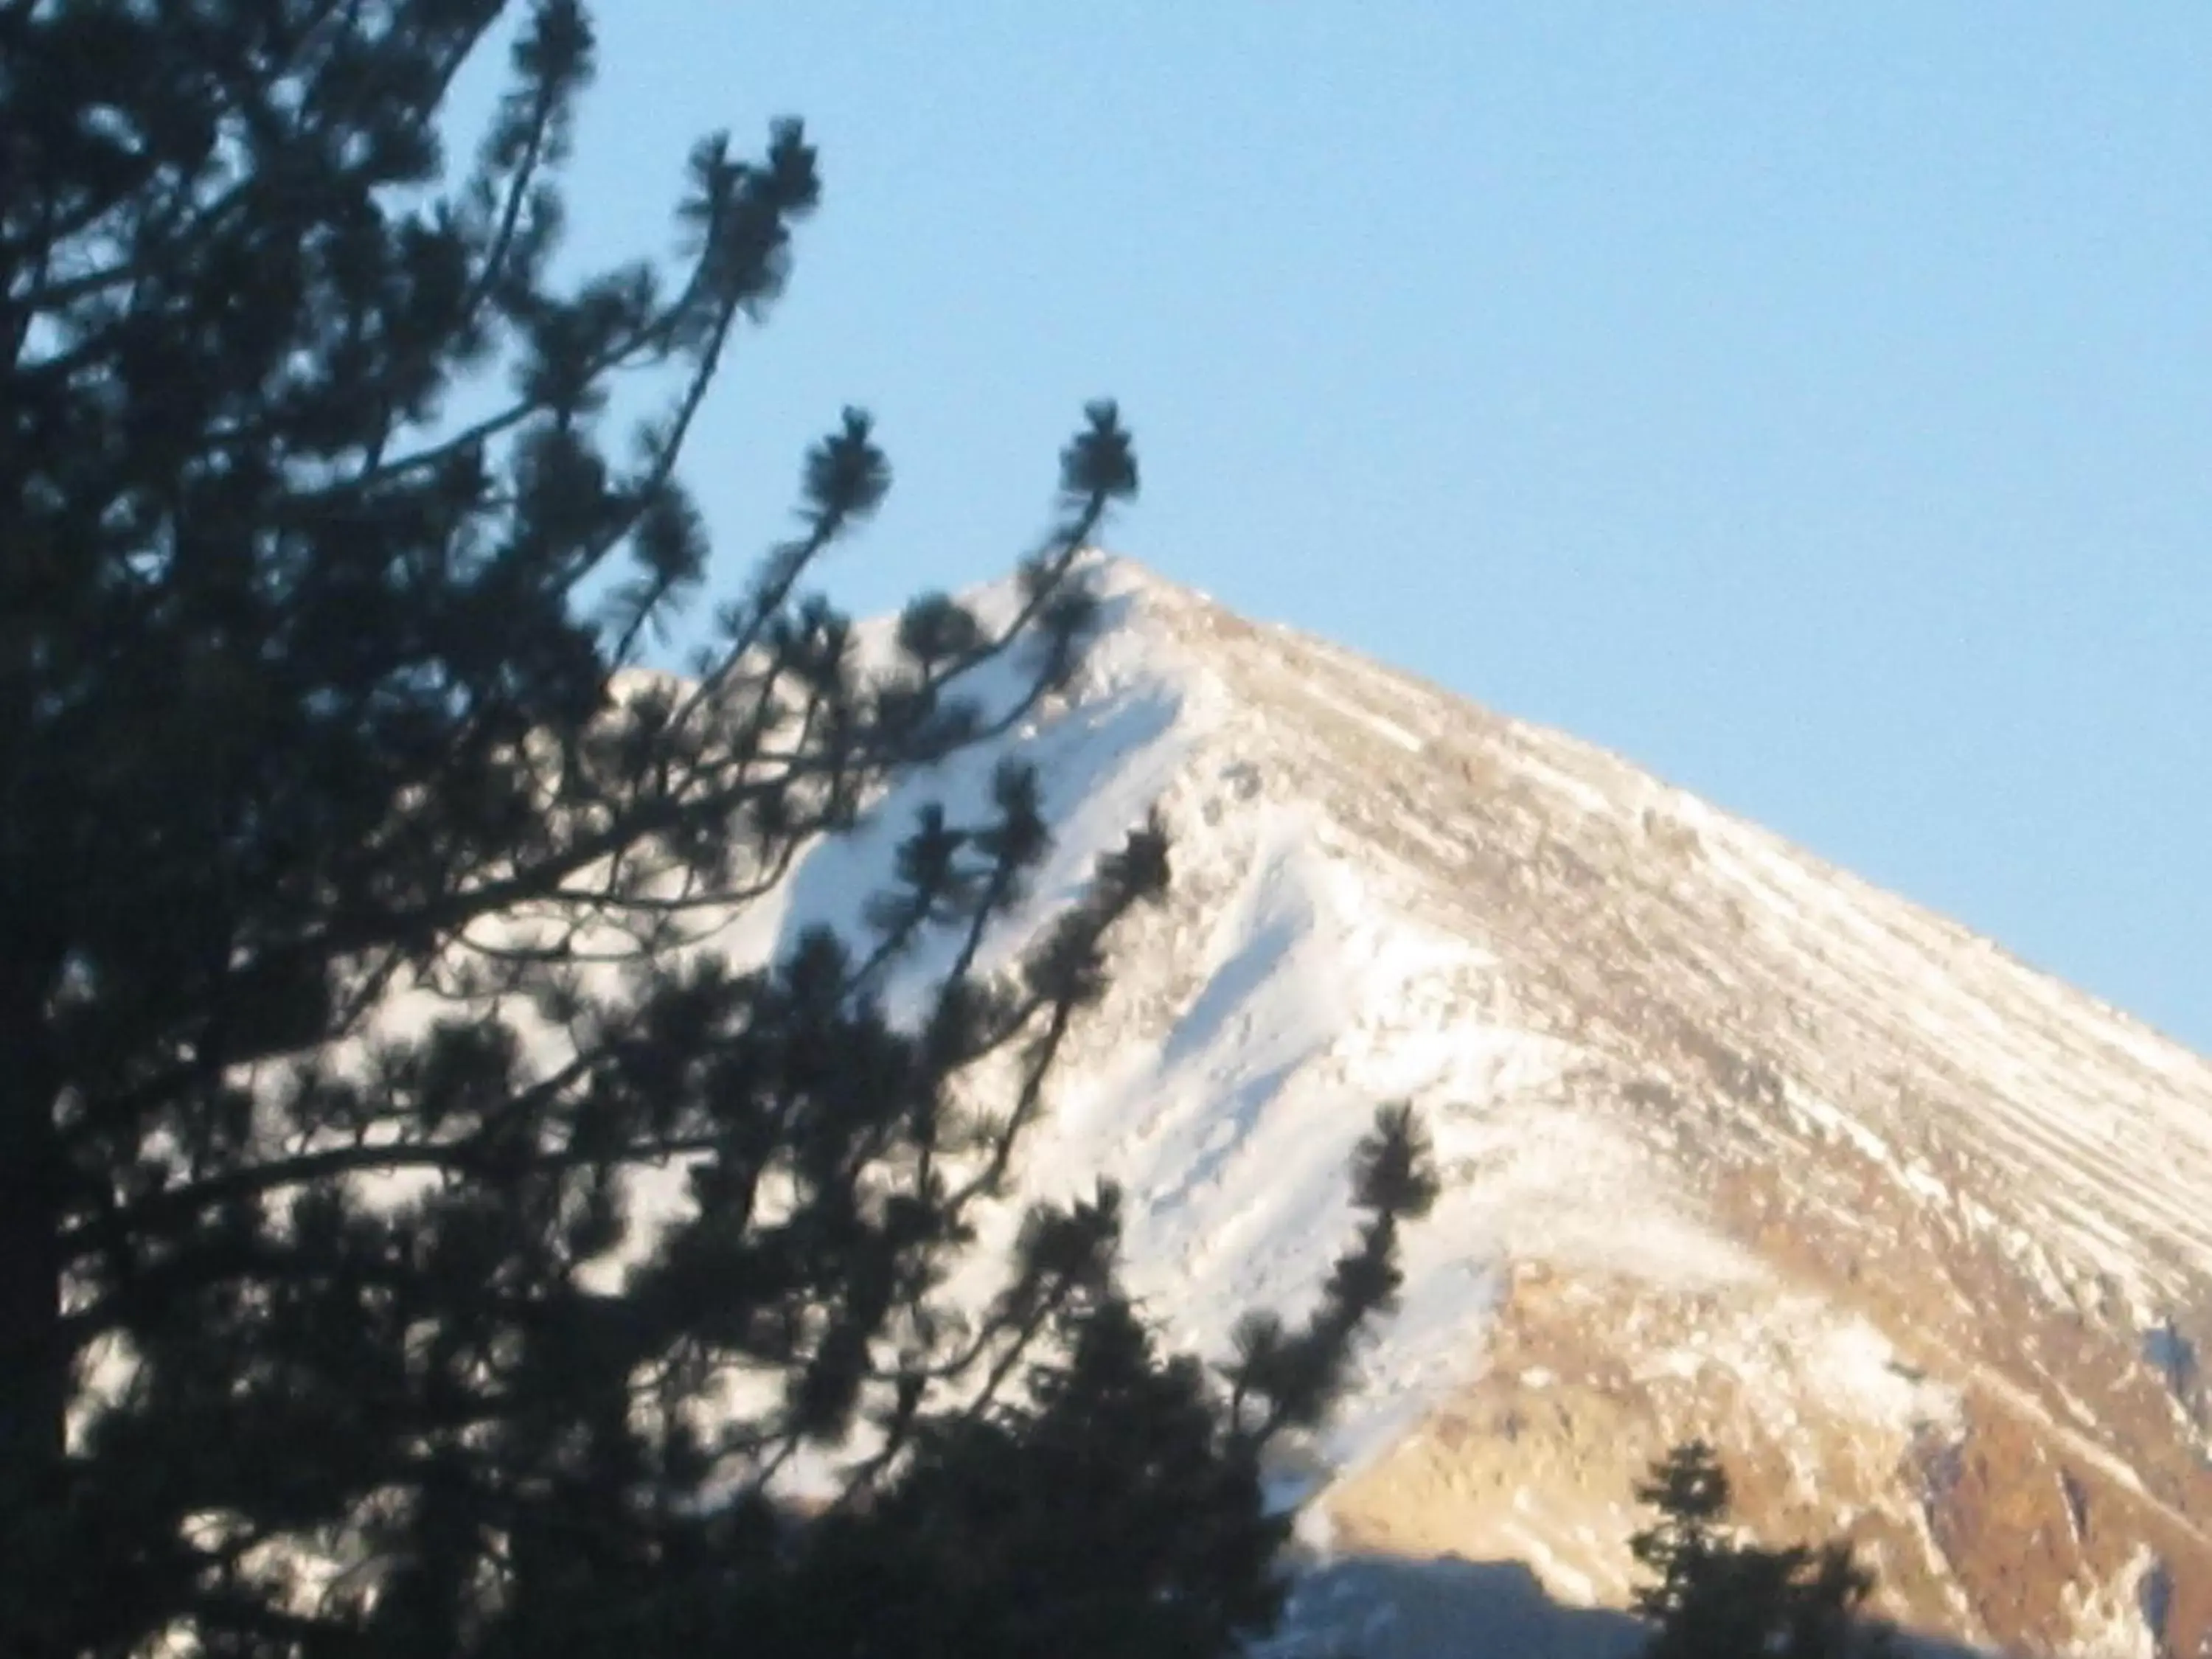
[(1738, 1145)]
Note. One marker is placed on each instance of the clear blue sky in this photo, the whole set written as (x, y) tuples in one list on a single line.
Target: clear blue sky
[(1812, 403)]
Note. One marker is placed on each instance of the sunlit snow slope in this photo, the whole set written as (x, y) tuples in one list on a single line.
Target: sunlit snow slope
[(1737, 1145)]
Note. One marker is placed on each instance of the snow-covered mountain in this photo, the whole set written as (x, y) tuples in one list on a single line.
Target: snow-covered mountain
[(1737, 1145)]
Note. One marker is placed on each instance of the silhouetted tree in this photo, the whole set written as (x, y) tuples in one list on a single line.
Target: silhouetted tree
[(1712, 1596), (1689, 1490), (355, 893), (1115, 1509)]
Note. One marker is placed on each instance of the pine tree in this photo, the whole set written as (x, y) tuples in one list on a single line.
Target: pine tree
[(1689, 1490), (324, 588), (1116, 1510), (1713, 1596)]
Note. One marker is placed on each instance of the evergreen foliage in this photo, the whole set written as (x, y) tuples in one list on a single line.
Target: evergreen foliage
[(325, 578), (1711, 1597)]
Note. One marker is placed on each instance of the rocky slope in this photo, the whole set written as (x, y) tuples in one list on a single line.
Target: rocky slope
[(1738, 1145)]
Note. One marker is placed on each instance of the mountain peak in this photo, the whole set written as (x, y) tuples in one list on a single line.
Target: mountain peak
[(1737, 1145)]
